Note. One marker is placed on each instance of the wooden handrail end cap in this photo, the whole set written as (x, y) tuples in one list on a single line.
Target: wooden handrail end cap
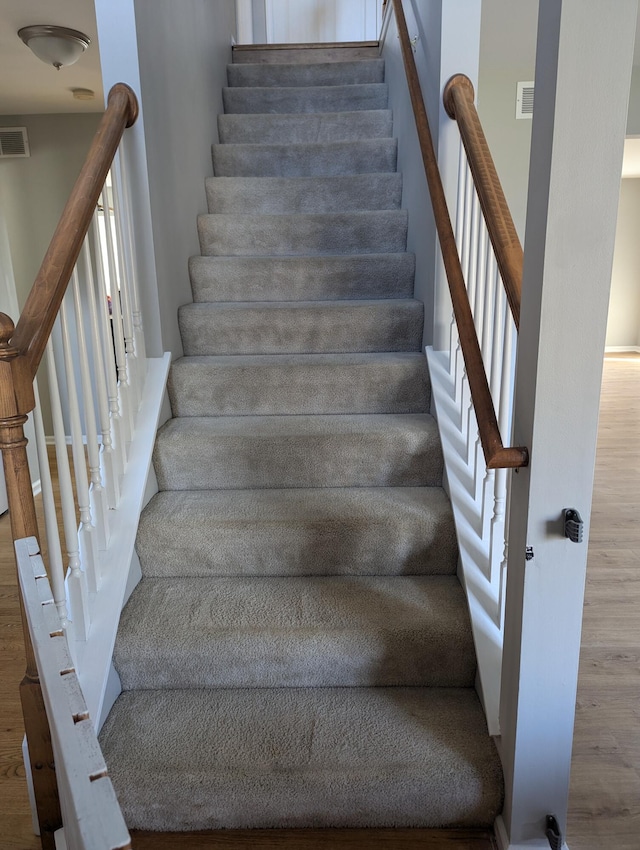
[(447, 95), (134, 109)]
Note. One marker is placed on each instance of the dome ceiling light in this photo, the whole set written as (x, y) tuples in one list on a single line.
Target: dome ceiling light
[(55, 46)]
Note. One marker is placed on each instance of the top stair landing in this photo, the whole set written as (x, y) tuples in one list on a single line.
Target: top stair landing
[(304, 54)]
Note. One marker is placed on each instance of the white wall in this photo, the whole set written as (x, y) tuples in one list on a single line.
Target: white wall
[(183, 48), (33, 192), (623, 326), (307, 21), (507, 56)]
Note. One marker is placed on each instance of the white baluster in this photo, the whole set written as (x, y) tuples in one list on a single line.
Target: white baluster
[(97, 493), (77, 580), (468, 416), (118, 437), (127, 210), (454, 339), (486, 327), (108, 455), (56, 566), (125, 274), (498, 523), (124, 390), (87, 532)]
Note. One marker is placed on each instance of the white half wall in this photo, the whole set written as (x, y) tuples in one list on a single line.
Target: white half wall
[(623, 325)]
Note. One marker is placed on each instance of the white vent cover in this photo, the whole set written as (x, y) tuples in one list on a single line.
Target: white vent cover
[(14, 141), (524, 100)]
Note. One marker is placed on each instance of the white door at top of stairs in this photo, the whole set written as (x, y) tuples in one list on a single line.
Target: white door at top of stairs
[(308, 21)]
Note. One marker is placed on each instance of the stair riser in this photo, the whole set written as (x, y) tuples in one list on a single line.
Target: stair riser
[(372, 454), (299, 129), (296, 632), (205, 388), (317, 327), (309, 160), (295, 74), (302, 278), (384, 531), (265, 100), (300, 235), (288, 195), (306, 55)]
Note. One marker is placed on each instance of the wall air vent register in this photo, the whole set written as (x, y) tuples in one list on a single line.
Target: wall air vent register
[(524, 100), (14, 141)]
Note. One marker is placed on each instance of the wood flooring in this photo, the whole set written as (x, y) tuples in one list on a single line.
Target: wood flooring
[(605, 786)]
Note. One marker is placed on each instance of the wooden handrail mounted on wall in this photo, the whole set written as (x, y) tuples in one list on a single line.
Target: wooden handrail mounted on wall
[(496, 455), (458, 98), (21, 349)]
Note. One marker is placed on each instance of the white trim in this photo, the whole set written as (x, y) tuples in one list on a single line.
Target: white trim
[(94, 655), (502, 839), (617, 349), (36, 487)]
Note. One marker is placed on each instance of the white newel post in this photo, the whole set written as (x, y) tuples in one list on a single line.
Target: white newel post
[(583, 72)]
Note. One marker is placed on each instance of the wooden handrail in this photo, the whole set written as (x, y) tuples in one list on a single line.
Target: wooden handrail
[(459, 103), (21, 349), (42, 305), (496, 455)]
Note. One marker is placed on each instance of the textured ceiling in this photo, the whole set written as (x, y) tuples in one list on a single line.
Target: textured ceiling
[(27, 85)]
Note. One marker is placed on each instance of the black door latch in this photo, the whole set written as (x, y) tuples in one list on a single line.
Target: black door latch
[(573, 525), (553, 833)]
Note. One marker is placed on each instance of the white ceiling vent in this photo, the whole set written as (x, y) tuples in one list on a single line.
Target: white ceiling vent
[(524, 100), (14, 141)]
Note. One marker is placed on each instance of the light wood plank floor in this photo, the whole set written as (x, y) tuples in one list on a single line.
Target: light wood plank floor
[(605, 788)]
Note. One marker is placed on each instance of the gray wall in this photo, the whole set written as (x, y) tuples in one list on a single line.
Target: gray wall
[(33, 192), (623, 327), (507, 56), (183, 49), (633, 116)]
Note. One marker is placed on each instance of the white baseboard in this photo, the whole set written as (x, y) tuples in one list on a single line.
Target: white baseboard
[(619, 349), (502, 839)]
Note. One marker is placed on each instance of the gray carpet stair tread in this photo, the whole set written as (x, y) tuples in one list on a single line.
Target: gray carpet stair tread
[(306, 55), (286, 195), (307, 278), (268, 384), (295, 128), (242, 452), (297, 74), (284, 758), (331, 531), (361, 232), (274, 100), (298, 631), (289, 327), (313, 159)]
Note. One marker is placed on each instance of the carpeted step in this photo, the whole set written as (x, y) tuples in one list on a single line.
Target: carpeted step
[(275, 100), (286, 195), (359, 232), (298, 74), (240, 452), (270, 384), (321, 159), (306, 54), (298, 631), (310, 127), (305, 327), (297, 757), (330, 531), (309, 278)]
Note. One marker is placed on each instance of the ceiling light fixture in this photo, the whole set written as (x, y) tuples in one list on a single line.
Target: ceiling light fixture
[(55, 46)]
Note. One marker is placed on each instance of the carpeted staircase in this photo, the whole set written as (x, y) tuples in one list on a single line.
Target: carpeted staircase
[(298, 653)]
